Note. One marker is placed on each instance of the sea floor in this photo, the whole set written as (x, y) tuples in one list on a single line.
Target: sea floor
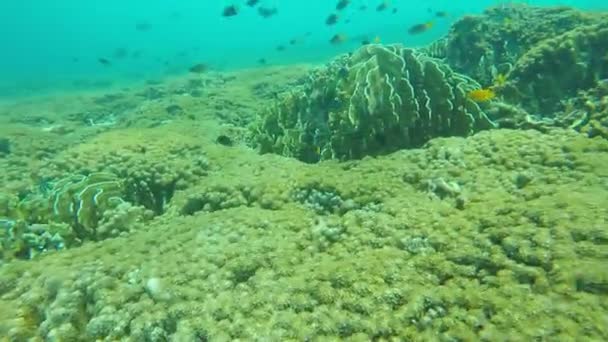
[(499, 236)]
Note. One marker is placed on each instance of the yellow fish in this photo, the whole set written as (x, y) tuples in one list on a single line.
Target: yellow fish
[(481, 95), (499, 81)]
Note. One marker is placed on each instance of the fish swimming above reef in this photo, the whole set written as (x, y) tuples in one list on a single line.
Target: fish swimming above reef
[(104, 62), (481, 95), (342, 4), (267, 12), (420, 28), (383, 5), (338, 39), (332, 19), (252, 3), (230, 11), (198, 68)]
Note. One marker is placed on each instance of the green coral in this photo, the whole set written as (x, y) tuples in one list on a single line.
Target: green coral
[(78, 200), (380, 99), (19, 240), (558, 68), (592, 106), (483, 45)]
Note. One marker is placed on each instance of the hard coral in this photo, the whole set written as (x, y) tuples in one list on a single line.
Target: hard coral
[(380, 99)]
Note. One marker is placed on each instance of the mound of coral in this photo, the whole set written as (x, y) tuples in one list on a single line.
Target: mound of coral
[(89, 192), (548, 55), (481, 45), (378, 100)]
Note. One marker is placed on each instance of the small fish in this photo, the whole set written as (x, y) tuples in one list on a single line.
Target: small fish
[(104, 62), (481, 95), (230, 11), (377, 40), (262, 61), (252, 3), (383, 5), (198, 68), (332, 19), (420, 28), (441, 14), (267, 12), (362, 8), (499, 81), (281, 47), (394, 11), (342, 4), (338, 39)]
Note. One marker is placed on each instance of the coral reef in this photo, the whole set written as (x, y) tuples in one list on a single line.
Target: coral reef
[(78, 200), (557, 68), (416, 267), (380, 99), (151, 168), (482, 46), (163, 232), (595, 104), (75, 209)]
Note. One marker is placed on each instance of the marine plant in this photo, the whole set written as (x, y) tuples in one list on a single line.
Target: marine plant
[(378, 100)]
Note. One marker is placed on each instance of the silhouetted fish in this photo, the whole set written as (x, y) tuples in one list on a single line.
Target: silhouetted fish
[(267, 12), (198, 68), (230, 11), (420, 28), (338, 39), (342, 4), (332, 19), (104, 62)]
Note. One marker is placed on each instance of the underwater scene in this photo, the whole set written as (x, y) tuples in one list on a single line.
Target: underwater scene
[(337, 170)]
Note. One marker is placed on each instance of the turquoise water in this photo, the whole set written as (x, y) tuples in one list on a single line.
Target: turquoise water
[(57, 44)]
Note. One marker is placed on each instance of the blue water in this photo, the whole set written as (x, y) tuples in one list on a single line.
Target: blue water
[(50, 44)]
